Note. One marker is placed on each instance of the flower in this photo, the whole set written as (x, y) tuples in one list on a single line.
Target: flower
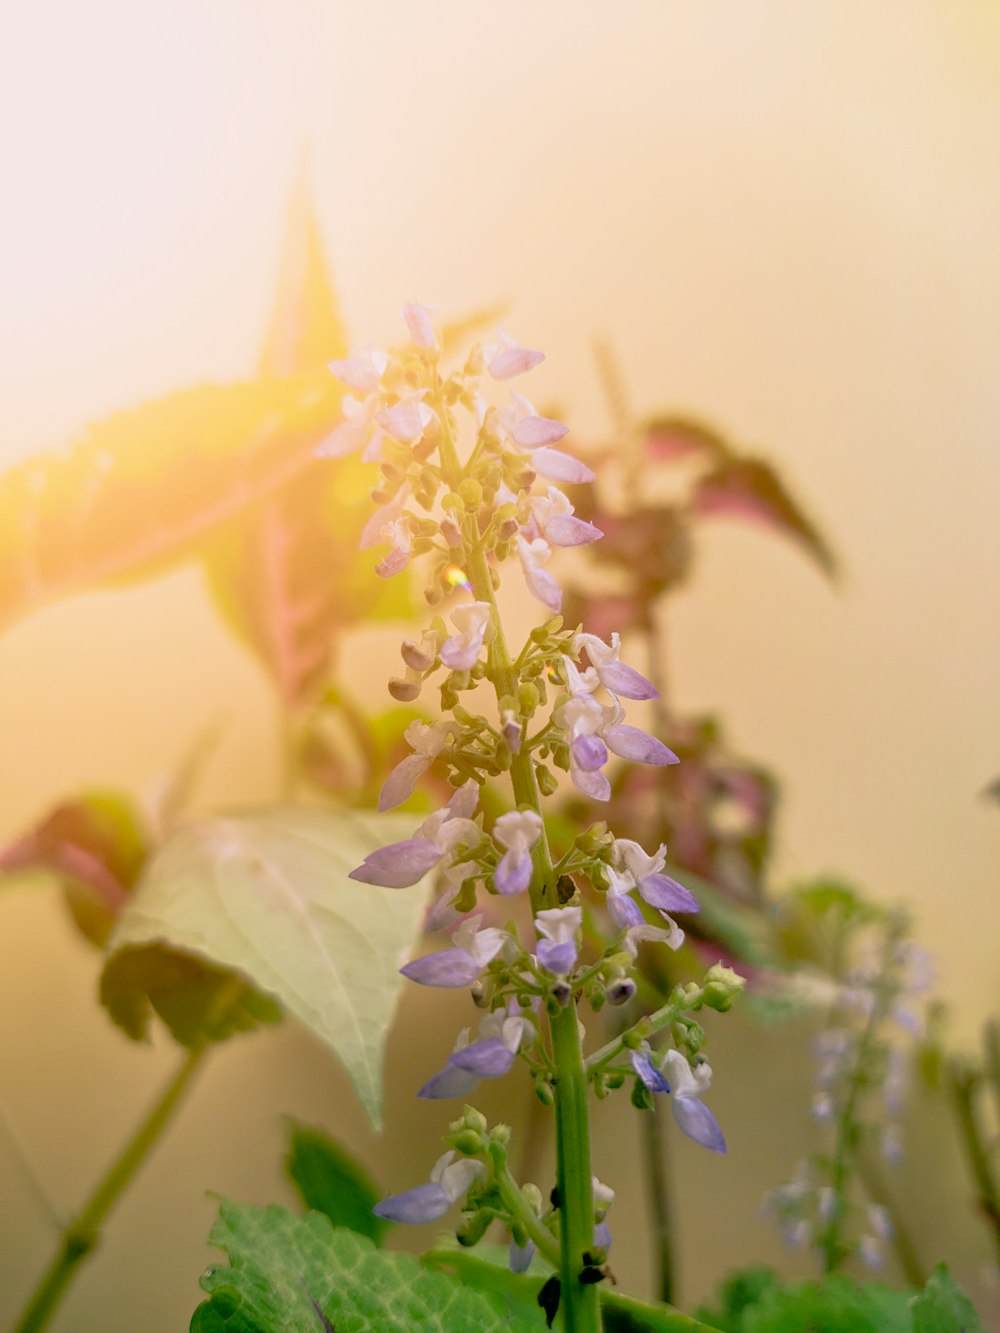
[(655, 888), (417, 319), (690, 1112), (397, 533), (617, 678), (473, 947), (406, 420), (427, 740), (592, 729), (557, 949), (508, 359), (552, 517), (535, 434), (404, 863), (472, 620), (534, 555), (518, 831), (450, 1181), (502, 1033), (361, 371)]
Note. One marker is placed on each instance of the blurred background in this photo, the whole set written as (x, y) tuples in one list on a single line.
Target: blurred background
[(782, 217)]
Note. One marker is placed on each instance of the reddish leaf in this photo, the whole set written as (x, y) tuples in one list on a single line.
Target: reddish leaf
[(750, 488), (667, 439)]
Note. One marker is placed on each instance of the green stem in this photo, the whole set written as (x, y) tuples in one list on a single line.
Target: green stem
[(514, 1202), (902, 1239), (962, 1085), (82, 1236), (663, 1017), (579, 1301)]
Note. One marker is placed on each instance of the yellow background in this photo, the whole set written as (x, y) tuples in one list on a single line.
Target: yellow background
[(784, 217)]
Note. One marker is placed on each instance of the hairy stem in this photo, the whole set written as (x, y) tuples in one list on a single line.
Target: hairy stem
[(82, 1236)]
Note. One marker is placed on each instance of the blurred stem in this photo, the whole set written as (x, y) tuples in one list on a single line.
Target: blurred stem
[(902, 1240), (655, 1148), (963, 1081), (28, 1166), (579, 1301), (82, 1236)]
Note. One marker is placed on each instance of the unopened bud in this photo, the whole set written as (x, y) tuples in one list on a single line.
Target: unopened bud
[(404, 691), (722, 985), (471, 493), (467, 1142), (528, 699), (415, 655), (642, 1098), (621, 991), (547, 782), (544, 1091), (507, 530), (474, 1226)]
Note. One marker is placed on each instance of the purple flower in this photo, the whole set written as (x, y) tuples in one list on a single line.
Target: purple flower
[(534, 555), (657, 889), (450, 1181), (406, 420), (404, 863), (502, 1033), (519, 1257), (427, 740), (690, 1112), (461, 651), (517, 831), (557, 949), (536, 434), (460, 965), (617, 678), (508, 359), (552, 518), (417, 319)]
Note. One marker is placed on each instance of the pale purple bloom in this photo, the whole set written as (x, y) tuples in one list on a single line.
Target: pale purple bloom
[(657, 889), (614, 675), (672, 937), (536, 434), (501, 1035), (534, 556), (519, 1257), (473, 947), (582, 719), (552, 517), (508, 359), (355, 431), (427, 740), (620, 991), (362, 371), (404, 863), (517, 831), (379, 525), (557, 949), (649, 1074), (397, 533), (417, 319), (450, 1181), (690, 1112), (461, 651), (407, 420), (511, 730), (602, 1237)]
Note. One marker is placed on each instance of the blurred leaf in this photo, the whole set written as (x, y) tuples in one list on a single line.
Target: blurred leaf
[(750, 488), (196, 1000), (331, 1181), (834, 1305), (96, 845), (460, 330), (746, 932), (141, 488), (666, 439), (291, 1274), (267, 894), (738, 1292), (943, 1307), (991, 792)]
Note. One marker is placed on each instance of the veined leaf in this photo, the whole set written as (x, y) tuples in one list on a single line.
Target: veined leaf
[(750, 488), (140, 489), (291, 1274), (331, 1181), (267, 894)]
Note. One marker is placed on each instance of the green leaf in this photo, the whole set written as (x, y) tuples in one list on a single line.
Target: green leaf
[(622, 1314), (266, 893), (302, 1275), (835, 1305), (332, 1182), (746, 932), (943, 1307), (738, 1292), (95, 845)]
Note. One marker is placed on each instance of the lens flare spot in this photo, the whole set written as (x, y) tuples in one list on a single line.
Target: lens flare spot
[(457, 578)]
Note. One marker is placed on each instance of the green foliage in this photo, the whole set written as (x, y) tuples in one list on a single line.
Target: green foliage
[(291, 1274), (266, 894), (943, 1307), (755, 1301), (332, 1182)]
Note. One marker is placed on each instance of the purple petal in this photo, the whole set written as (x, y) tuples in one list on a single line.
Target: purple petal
[(398, 865), (698, 1123), (623, 910), (394, 563), (426, 1203), (513, 874), (448, 1082), (405, 421), (344, 440), (665, 893), (595, 784), (566, 530), (647, 1071), (399, 785), (520, 1257), (554, 465), (530, 432), (631, 743), (514, 361), (449, 967), (459, 655), (491, 1058), (557, 958), (542, 585), (590, 752), (356, 372), (602, 1237), (627, 682)]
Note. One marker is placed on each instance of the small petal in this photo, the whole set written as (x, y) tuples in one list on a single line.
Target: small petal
[(530, 432), (447, 1083), (557, 958), (648, 1073), (406, 421), (426, 1203), (625, 681), (448, 968), (510, 360), (631, 743), (398, 865), (602, 1237), (595, 785), (360, 373), (345, 439), (698, 1123), (513, 873), (665, 893), (554, 465), (491, 1058), (417, 319), (624, 911), (398, 786), (590, 752), (566, 530), (520, 1256)]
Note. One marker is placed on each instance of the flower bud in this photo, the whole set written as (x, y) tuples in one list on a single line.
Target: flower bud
[(473, 1119), (415, 656), (642, 1098), (544, 1091), (547, 783), (404, 691), (470, 492), (527, 699), (467, 1142), (474, 1226), (621, 991), (722, 985)]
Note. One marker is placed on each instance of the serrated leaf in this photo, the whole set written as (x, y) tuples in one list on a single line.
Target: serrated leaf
[(332, 1182), (943, 1307), (750, 488), (835, 1305), (95, 844), (141, 488), (266, 893), (303, 1275)]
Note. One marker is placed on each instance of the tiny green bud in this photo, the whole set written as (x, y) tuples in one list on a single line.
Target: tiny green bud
[(642, 1098), (467, 1142), (722, 985), (474, 1226), (451, 502), (471, 493), (600, 1087), (501, 1135), (547, 782), (502, 756), (474, 1119), (615, 1078), (532, 1196), (544, 1090), (528, 699)]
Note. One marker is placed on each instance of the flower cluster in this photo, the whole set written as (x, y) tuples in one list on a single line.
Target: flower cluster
[(464, 504)]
